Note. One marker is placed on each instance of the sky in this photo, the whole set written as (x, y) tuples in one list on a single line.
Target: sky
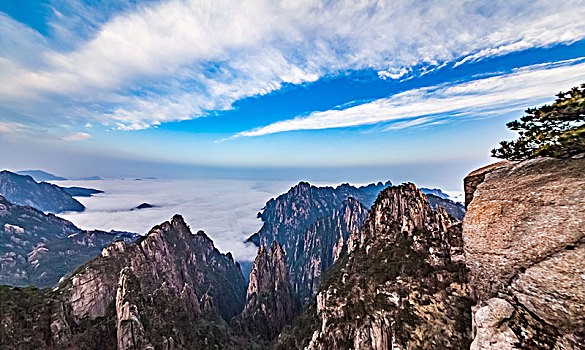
[(325, 91)]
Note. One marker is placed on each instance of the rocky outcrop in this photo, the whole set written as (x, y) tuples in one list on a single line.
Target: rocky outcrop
[(476, 177), (401, 284), (170, 289), (269, 303), (39, 249), (524, 237), (302, 205), (23, 190)]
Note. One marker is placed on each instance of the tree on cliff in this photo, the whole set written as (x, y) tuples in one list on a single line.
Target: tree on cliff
[(556, 130)]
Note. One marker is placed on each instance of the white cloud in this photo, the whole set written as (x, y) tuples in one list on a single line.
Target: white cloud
[(394, 73), (179, 59), (225, 209), (77, 136), (516, 91)]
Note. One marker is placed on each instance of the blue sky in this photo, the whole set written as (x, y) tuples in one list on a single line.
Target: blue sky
[(324, 90)]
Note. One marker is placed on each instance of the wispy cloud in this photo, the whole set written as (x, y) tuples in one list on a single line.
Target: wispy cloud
[(177, 60), (77, 136), (9, 127), (524, 87)]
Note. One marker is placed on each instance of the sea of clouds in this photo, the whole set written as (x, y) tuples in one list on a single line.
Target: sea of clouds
[(225, 209)]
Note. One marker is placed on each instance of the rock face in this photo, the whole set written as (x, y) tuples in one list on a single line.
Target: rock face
[(38, 249), (401, 284), (23, 190), (456, 210), (321, 245), (269, 302), (170, 289), (525, 247), (312, 224)]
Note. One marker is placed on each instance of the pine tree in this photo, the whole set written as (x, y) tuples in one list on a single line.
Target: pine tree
[(556, 130)]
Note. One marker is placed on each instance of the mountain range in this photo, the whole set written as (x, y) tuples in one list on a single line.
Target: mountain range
[(40, 175), (339, 268), (39, 249), (24, 190)]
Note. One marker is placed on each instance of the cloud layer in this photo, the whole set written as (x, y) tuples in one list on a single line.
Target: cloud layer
[(529, 86), (225, 209), (179, 59)]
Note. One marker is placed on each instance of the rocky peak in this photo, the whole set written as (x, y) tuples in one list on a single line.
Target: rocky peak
[(269, 270), (403, 206), (269, 302), (313, 224), (165, 288), (401, 285)]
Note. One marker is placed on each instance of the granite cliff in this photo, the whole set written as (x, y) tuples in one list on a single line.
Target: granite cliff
[(312, 224), (38, 249), (401, 284), (269, 301), (524, 238), (170, 289)]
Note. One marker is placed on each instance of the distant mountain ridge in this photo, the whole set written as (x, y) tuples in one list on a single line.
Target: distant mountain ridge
[(40, 175), (455, 209), (38, 249), (434, 191), (81, 191), (24, 190)]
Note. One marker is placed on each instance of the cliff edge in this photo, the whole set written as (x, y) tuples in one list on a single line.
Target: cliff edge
[(524, 235)]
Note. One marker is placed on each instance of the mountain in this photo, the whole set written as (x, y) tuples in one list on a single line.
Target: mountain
[(524, 237), (434, 191), (81, 191), (89, 178), (39, 175), (38, 249), (23, 190), (455, 209), (510, 276), (401, 284), (171, 289), (269, 300), (312, 224)]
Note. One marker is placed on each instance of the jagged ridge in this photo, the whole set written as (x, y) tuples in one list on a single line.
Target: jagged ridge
[(170, 287), (38, 249), (401, 285)]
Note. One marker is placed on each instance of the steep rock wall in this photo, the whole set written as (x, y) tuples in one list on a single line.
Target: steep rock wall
[(524, 235)]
